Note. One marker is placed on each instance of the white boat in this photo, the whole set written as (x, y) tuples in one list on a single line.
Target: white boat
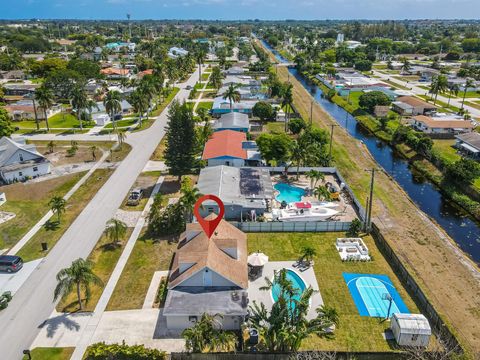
[(312, 214), (312, 205)]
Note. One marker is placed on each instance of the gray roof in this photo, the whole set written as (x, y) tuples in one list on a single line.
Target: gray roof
[(472, 139), (8, 147), (247, 186), (191, 301), (232, 120), (101, 108)]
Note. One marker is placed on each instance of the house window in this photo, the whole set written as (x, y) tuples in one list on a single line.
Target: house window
[(21, 157), (35, 168)]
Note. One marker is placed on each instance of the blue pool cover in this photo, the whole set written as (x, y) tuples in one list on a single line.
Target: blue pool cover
[(369, 292)]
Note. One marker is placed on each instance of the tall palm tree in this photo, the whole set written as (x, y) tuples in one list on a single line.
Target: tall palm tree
[(79, 101), (113, 105), (439, 84), (322, 193), (315, 176), (139, 103), (199, 57), (468, 84), (405, 65), (57, 205), (216, 77), (115, 230), (79, 276), (453, 90), (90, 105), (298, 154), (44, 98), (190, 195), (232, 95)]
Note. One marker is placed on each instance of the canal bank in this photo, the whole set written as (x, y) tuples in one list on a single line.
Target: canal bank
[(450, 280)]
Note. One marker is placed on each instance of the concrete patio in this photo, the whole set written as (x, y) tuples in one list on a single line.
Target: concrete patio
[(265, 297)]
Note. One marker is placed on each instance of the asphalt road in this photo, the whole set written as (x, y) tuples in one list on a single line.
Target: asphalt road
[(33, 303)]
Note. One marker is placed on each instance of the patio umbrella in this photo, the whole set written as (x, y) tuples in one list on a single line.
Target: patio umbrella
[(257, 259)]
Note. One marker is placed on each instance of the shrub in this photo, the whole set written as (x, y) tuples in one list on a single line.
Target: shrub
[(355, 228), (102, 351)]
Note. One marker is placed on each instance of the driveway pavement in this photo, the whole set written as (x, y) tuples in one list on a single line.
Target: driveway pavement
[(33, 302), (13, 282)]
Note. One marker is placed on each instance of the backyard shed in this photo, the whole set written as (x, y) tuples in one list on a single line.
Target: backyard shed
[(411, 329)]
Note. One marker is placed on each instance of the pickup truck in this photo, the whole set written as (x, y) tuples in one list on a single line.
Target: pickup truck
[(135, 197)]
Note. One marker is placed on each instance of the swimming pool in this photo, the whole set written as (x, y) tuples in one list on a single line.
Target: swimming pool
[(371, 292), (297, 284), (288, 193)]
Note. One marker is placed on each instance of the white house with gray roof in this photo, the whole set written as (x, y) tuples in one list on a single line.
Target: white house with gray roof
[(20, 161)]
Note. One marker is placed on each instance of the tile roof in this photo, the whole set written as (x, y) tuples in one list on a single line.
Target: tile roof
[(443, 124), (115, 71), (225, 143), (203, 252), (413, 101)]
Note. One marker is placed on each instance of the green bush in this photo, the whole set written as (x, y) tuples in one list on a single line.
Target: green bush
[(102, 351)]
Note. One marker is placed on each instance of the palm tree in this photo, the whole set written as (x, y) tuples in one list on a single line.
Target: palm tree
[(468, 84), (94, 149), (115, 230), (199, 56), (51, 146), (79, 275), (44, 97), (79, 101), (232, 94), (308, 253), (216, 77), (113, 105), (57, 205), (206, 335), (298, 155), (452, 90), (322, 193), (190, 195), (405, 65), (285, 326), (315, 176), (439, 84), (90, 105), (139, 103)]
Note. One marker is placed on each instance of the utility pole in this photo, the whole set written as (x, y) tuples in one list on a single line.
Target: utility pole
[(331, 142), (368, 220)]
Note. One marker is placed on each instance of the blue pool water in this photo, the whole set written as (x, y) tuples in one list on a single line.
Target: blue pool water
[(289, 193), (368, 292), (297, 283)]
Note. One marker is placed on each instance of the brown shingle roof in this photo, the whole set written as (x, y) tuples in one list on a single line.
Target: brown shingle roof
[(415, 102), (204, 252), (443, 124)]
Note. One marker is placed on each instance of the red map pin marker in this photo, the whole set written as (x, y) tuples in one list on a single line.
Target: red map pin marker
[(209, 226)]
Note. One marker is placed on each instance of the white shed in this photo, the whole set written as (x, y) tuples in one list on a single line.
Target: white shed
[(411, 329), (3, 198)]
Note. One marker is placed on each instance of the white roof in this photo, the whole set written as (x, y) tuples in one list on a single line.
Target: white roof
[(412, 324)]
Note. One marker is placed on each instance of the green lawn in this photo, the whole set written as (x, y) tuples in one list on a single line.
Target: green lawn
[(158, 110), (60, 120), (205, 104), (354, 333), (205, 76), (147, 257), (158, 154), (122, 123), (51, 353), (445, 149), (29, 203), (275, 127), (32, 249), (104, 257)]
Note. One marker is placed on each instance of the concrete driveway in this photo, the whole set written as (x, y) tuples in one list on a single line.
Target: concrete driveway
[(13, 282)]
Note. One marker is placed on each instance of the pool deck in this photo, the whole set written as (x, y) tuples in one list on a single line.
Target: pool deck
[(265, 297), (346, 211)]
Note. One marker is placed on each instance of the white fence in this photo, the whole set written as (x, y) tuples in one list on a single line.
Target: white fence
[(298, 226)]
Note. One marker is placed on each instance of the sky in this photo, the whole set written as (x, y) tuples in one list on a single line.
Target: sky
[(240, 9)]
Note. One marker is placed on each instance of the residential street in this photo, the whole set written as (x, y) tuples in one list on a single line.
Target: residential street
[(33, 303), (419, 91)]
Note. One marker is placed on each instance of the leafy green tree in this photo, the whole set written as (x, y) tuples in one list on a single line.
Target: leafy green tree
[(44, 98), (297, 125), (47, 66), (363, 65), (86, 68), (181, 140), (6, 128), (167, 221), (369, 100), (275, 147), (263, 110), (207, 336), (285, 326), (102, 351), (189, 196), (57, 205), (232, 95), (463, 171), (115, 230), (79, 276)]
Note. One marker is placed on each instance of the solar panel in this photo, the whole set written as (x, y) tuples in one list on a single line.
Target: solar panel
[(250, 182)]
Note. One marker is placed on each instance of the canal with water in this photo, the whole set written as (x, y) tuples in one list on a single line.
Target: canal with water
[(459, 225)]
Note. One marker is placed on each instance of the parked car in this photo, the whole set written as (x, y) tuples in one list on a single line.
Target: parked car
[(135, 197), (5, 298), (10, 263), (188, 87)]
